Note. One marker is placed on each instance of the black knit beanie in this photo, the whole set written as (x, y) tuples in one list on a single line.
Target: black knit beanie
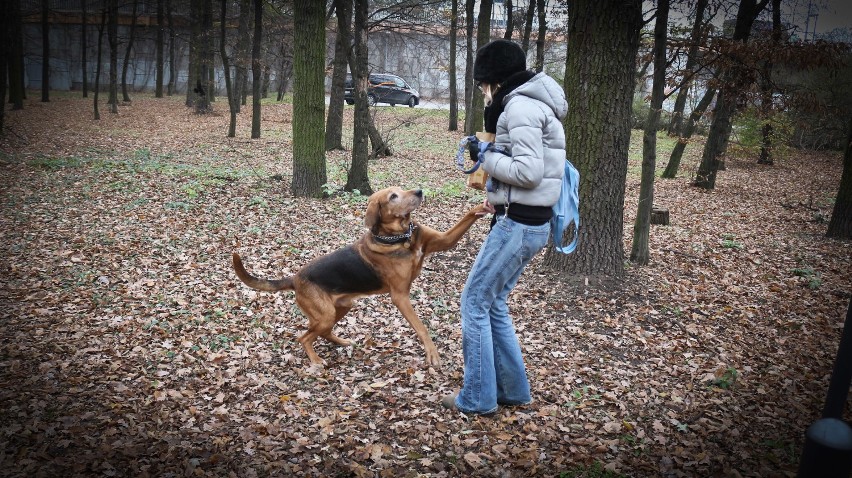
[(497, 61)]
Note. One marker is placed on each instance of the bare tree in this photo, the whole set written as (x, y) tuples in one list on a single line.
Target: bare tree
[(483, 36), (840, 226), (695, 41), (17, 93), (603, 39), (309, 171), (510, 20), (45, 46), (172, 85), (468, 70), (257, 68), (99, 58), (342, 44), (84, 46), (528, 23), (735, 79), (131, 37), (112, 35), (454, 88), (640, 253), (542, 35), (159, 46), (233, 99), (358, 177)]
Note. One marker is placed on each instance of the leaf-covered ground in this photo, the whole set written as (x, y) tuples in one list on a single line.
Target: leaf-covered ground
[(129, 348)]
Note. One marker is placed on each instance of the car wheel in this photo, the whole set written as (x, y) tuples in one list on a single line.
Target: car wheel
[(411, 102), (371, 100)]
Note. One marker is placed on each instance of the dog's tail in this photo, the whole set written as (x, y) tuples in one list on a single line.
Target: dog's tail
[(260, 284)]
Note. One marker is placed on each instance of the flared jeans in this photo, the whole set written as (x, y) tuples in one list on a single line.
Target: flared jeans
[(494, 371)]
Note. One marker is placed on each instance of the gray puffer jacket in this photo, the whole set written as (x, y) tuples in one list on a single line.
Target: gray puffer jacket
[(530, 130)]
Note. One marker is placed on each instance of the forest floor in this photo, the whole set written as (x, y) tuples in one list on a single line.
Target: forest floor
[(129, 348)]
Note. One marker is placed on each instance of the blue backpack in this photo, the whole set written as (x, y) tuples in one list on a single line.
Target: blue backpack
[(567, 210)]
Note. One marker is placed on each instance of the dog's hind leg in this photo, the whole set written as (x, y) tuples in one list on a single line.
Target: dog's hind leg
[(321, 318), (340, 311)]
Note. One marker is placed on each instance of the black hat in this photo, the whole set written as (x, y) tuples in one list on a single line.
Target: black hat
[(498, 60)]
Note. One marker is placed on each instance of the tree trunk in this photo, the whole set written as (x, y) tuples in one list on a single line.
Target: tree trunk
[(510, 20), (468, 71), (309, 172), (483, 36), (192, 83), (734, 82), (542, 34), (528, 21), (257, 70), (172, 85), (204, 87), (688, 130), (334, 121), (599, 81), (840, 226), (766, 106), (689, 69), (243, 52), (640, 252), (358, 178), (99, 61), (112, 34), (5, 43), (16, 59), (45, 48), (125, 96), (226, 66), (454, 87), (84, 46), (158, 82)]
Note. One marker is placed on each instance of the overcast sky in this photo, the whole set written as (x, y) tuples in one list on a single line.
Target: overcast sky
[(832, 14)]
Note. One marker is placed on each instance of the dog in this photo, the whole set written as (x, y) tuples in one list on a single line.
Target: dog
[(386, 259)]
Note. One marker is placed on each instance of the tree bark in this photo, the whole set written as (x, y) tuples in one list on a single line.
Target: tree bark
[(45, 49), (840, 225), (454, 87), (112, 35), (226, 66), (528, 21), (203, 56), (542, 34), (468, 71), (124, 67), (483, 36), (192, 78), (687, 130), (342, 44), (689, 69), (257, 69), (734, 82), (5, 33), (640, 251), (84, 45), (101, 27), (766, 106), (309, 173), (358, 178), (510, 20), (158, 81), (243, 51), (172, 85), (16, 58), (599, 81)]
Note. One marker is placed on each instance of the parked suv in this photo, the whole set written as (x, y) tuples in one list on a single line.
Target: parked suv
[(384, 88)]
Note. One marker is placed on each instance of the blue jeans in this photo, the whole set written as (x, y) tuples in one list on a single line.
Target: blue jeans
[(494, 369)]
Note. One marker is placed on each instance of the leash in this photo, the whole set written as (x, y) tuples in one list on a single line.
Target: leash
[(482, 147)]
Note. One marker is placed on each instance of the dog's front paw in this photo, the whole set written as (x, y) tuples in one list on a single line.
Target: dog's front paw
[(433, 359)]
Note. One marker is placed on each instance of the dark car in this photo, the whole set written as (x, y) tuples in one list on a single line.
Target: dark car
[(384, 88)]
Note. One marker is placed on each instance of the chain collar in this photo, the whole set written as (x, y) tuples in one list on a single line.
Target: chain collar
[(397, 239)]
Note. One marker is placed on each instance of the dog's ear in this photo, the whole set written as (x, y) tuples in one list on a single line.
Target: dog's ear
[(373, 215)]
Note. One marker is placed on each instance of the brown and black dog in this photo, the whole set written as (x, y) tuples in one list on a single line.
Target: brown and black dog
[(386, 259)]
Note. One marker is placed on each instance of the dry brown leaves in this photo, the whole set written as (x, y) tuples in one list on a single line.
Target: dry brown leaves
[(130, 349)]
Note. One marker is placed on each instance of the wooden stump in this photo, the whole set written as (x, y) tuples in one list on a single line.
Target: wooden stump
[(660, 216)]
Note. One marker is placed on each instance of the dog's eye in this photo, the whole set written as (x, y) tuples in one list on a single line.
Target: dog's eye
[(393, 196)]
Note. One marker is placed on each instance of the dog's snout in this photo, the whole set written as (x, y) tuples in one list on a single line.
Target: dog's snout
[(418, 193)]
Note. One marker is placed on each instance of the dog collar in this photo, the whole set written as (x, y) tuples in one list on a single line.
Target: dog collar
[(397, 239)]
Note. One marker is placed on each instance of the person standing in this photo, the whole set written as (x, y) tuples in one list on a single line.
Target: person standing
[(524, 110)]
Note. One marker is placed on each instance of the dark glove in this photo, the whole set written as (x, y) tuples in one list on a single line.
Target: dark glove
[(473, 148)]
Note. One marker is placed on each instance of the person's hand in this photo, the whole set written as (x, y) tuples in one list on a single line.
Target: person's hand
[(473, 149), (486, 208)]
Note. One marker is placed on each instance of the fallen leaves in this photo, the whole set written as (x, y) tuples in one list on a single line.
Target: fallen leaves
[(130, 349)]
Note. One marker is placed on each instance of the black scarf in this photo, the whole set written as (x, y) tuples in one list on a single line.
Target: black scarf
[(493, 111)]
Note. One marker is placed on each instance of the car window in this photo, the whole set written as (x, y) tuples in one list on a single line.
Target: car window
[(398, 82)]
